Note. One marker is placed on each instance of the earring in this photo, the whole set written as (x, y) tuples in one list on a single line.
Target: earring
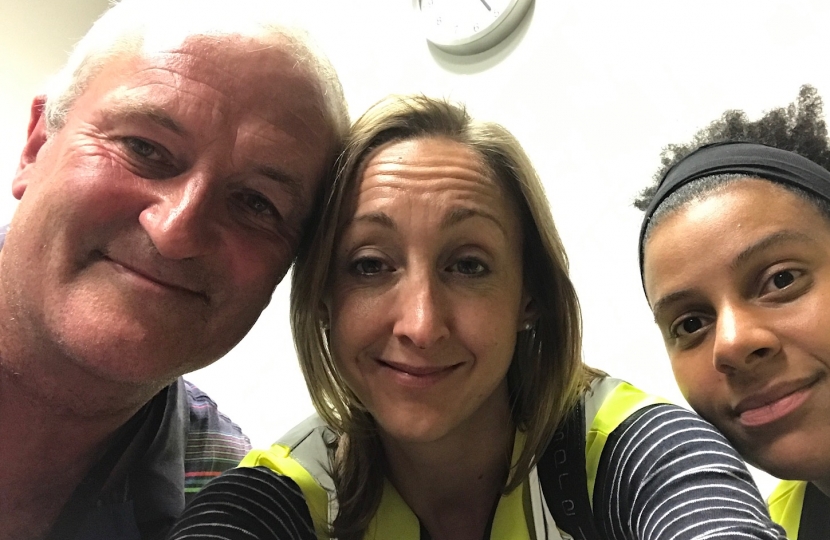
[(528, 326)]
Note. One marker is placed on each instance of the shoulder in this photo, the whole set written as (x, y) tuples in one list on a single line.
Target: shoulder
[(247, 503), (640, 424), (304, 451), (214, 443), (303, 455), (664, 470)]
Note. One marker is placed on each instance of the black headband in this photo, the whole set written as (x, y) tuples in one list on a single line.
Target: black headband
[(756, 160)]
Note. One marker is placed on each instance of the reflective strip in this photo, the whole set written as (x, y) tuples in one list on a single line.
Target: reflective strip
[(620, 403), (278, 459), (510, 521), (393, 518), (785, 505)]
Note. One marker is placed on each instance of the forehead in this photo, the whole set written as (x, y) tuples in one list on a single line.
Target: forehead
[(222, 80), (706, 234), (445, 171)]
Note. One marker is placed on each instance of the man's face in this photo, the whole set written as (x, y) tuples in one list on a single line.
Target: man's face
[(154, 225)]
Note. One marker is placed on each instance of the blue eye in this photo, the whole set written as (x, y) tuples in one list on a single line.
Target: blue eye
[(142, 148), (257, 204)]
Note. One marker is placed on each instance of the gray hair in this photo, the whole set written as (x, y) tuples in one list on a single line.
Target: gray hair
[(137, 26), (702, 188)]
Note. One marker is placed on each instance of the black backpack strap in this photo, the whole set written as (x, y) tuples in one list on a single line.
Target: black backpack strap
[(815, 515), (564, 480)]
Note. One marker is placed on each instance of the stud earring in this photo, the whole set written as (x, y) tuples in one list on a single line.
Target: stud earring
[(528, 326)]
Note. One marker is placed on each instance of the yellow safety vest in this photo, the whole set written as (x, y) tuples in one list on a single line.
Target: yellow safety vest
[(302, 455), (785, 504)]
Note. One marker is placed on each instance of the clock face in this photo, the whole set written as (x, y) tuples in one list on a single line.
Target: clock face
[(467, 26)]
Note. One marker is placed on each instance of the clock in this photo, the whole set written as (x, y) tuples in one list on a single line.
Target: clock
[(470, 26)]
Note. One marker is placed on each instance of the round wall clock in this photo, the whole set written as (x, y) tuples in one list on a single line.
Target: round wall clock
[(470, 26)]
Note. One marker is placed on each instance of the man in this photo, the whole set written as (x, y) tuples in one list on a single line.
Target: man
[(164, 187)]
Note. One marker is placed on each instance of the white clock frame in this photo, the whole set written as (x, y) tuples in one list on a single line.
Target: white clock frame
[(470, 35)]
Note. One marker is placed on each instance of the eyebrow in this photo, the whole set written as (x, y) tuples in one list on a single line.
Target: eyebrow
[(293, 185), (134, 109), (453, 218), (669, 299), (778, 237), (378, 218), (458, 215)]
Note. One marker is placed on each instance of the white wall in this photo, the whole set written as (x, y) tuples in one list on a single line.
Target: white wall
[(592, 89)]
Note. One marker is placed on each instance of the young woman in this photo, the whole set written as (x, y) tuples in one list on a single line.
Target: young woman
[(735, 259), (439, 334)]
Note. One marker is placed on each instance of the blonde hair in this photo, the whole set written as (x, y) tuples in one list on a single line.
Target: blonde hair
[(546, 375)]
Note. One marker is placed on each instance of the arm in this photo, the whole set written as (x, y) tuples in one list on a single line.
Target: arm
[(246, 504), (665, 473)]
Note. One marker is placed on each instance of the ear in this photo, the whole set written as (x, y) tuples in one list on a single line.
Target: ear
[(528, 312), (323, 314), (36, 138)]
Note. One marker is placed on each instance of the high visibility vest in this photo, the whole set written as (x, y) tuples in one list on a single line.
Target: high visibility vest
[(785, 504), (302, 454)]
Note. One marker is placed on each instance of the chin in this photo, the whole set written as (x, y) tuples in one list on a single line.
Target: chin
[(122, 358), (791, 461), (414, 430)]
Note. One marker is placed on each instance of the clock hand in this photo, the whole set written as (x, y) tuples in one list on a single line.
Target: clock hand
[(486, 5)]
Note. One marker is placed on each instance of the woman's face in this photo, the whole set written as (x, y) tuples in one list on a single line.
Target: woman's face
[(739, 283), (427, 293)]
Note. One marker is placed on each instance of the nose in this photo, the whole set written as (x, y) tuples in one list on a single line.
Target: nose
[(179, 220), (742, 341), (421, 310)]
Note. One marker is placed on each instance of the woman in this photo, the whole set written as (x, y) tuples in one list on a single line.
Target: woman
[(439, 335), (735, 260)]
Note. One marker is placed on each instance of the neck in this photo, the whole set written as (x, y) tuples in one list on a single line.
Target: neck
[(56, 419), (453, 484)]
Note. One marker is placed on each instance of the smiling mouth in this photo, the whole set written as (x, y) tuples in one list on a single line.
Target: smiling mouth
[(766, 409), (418, 375), (158, 282)]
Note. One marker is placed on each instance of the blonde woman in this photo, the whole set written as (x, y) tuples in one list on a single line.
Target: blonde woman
[(439, 334)]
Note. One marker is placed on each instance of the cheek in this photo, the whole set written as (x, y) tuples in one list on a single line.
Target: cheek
[(697, 380), (253, 266), (85, 189), (354, 322), (489, 331)]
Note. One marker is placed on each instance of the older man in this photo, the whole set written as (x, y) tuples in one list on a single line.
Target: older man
[(164, 187)]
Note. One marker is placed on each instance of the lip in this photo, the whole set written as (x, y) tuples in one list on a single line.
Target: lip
[(774, 403), (416, 376), (153, 277)]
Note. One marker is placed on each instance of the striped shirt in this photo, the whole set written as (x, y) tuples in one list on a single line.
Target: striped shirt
[(181, 442), (664, 474), (214, 443)]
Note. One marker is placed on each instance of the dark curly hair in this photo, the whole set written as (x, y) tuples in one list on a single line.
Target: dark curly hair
[(800, 128)]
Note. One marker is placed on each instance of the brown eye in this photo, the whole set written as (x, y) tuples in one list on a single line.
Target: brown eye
[(367, 266), (785, 284), (783, 279), (688, 328), (691, 325), (469, 267)]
